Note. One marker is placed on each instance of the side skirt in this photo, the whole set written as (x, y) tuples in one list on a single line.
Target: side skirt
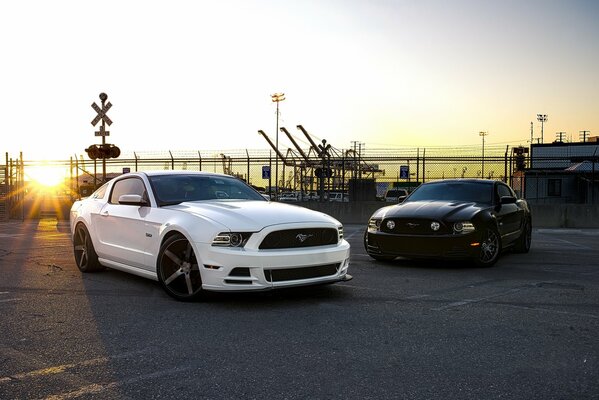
[(126, 268)]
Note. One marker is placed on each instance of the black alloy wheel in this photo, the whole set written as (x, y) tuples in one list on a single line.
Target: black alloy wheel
[(83, 249), (178, 270), (490, 247)]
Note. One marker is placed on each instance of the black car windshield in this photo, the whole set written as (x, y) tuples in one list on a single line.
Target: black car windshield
[(476, 192), (175, 189)]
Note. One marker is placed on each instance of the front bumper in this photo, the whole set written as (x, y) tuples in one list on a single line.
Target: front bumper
[(227, 269), (423, 246)]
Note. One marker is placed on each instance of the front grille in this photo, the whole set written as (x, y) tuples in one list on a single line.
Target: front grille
[(413, 226), (293, 274), (293, 238)]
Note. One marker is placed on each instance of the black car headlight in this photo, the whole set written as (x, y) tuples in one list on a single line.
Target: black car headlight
[(463, 227), (374, 224), (231, 239)]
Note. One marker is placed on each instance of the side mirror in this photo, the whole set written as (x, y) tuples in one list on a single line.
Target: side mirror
[(400, 199), (507, 200), (132, 200)]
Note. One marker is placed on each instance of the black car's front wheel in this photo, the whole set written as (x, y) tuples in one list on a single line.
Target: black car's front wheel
[(178, 270), (490, 247)]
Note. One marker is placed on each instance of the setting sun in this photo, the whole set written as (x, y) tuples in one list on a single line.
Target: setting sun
[(45, 176)]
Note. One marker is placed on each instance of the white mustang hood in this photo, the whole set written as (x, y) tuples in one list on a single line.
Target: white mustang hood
[(253, 215)]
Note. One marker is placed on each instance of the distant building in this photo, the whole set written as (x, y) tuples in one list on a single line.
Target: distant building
[(563, 172)]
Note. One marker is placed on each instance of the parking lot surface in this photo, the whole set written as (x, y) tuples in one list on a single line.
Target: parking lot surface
[(527, 328)]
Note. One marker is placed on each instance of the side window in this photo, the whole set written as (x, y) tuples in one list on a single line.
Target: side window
[(503, 190), (127, 186), (101, 192)]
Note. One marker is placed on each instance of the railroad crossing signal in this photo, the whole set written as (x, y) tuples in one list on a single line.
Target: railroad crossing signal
[(101, 113), (101, 116)]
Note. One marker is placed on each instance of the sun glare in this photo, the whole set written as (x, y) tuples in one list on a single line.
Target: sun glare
[(45, 176)]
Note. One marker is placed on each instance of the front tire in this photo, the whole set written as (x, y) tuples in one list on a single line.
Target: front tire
[(490, 248), (83, 249), (178, 270)]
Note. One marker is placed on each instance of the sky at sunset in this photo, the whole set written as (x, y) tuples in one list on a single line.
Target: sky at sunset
[(196, 75)]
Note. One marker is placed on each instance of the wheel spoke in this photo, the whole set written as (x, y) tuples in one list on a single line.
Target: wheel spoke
[(174, 276), (173, 257), (80, 247), (188, 252), (189, 285)]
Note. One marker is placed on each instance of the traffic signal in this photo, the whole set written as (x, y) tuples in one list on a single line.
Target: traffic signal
[(520, 165), (103, 151), (323, 172)]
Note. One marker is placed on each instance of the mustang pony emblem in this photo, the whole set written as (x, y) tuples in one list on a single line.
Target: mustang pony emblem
[(302, 238), (412, 225)]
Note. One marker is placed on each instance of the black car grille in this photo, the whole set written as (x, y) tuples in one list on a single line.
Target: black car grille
[(413, 226), (293, 274), (292, 238)]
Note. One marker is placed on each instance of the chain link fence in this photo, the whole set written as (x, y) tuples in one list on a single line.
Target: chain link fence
[(340, 175)]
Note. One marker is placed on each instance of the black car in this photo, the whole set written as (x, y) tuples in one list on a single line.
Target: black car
[(460, 218)]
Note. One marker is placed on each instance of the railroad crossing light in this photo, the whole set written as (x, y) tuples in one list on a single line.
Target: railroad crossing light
[(93, 152), (103, 151)]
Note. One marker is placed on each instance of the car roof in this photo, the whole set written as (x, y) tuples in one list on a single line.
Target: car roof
[(181, 172), (459, 180)]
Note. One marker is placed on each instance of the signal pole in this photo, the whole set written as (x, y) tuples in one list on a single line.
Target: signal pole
[(483, 134)]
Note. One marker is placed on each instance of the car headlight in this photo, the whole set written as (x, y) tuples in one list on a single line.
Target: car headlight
[(231, 239), (463, 227), (340, 232), (374, 224)]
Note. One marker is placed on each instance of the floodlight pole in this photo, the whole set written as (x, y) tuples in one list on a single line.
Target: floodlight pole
[(483, 134), (277, 98), (542, 118)]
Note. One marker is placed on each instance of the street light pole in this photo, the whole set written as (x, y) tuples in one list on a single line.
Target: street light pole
[(483, 134), (542, 118), (277, 98)]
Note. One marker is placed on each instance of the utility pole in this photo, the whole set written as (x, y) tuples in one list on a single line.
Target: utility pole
[(584, 135), (531, 132), (277, 98), (482, 134)]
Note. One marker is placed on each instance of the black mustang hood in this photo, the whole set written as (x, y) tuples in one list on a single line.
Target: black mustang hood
[(438, 210)]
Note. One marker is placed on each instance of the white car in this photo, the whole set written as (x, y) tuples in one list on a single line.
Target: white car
[(196, 231)]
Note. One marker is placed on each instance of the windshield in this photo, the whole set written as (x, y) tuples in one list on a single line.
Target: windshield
[(175, 189), (477, 192)]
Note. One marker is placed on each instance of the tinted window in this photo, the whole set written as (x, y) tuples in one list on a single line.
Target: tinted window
[(127, 186), (503, 191), (454, 191), (174, 189)]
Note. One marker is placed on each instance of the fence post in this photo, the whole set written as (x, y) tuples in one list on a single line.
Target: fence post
[(172, 160), (200, 157), (505, 165), (424, 166), (135, 156), (248, 174)]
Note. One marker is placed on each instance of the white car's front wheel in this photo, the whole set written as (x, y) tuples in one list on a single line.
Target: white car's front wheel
[(83, 249), (178, 270)]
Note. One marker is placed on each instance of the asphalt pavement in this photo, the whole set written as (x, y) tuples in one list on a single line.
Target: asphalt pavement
[(527, 328)]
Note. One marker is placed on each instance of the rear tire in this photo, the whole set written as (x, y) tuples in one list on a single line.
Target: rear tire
[(523, 242)]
